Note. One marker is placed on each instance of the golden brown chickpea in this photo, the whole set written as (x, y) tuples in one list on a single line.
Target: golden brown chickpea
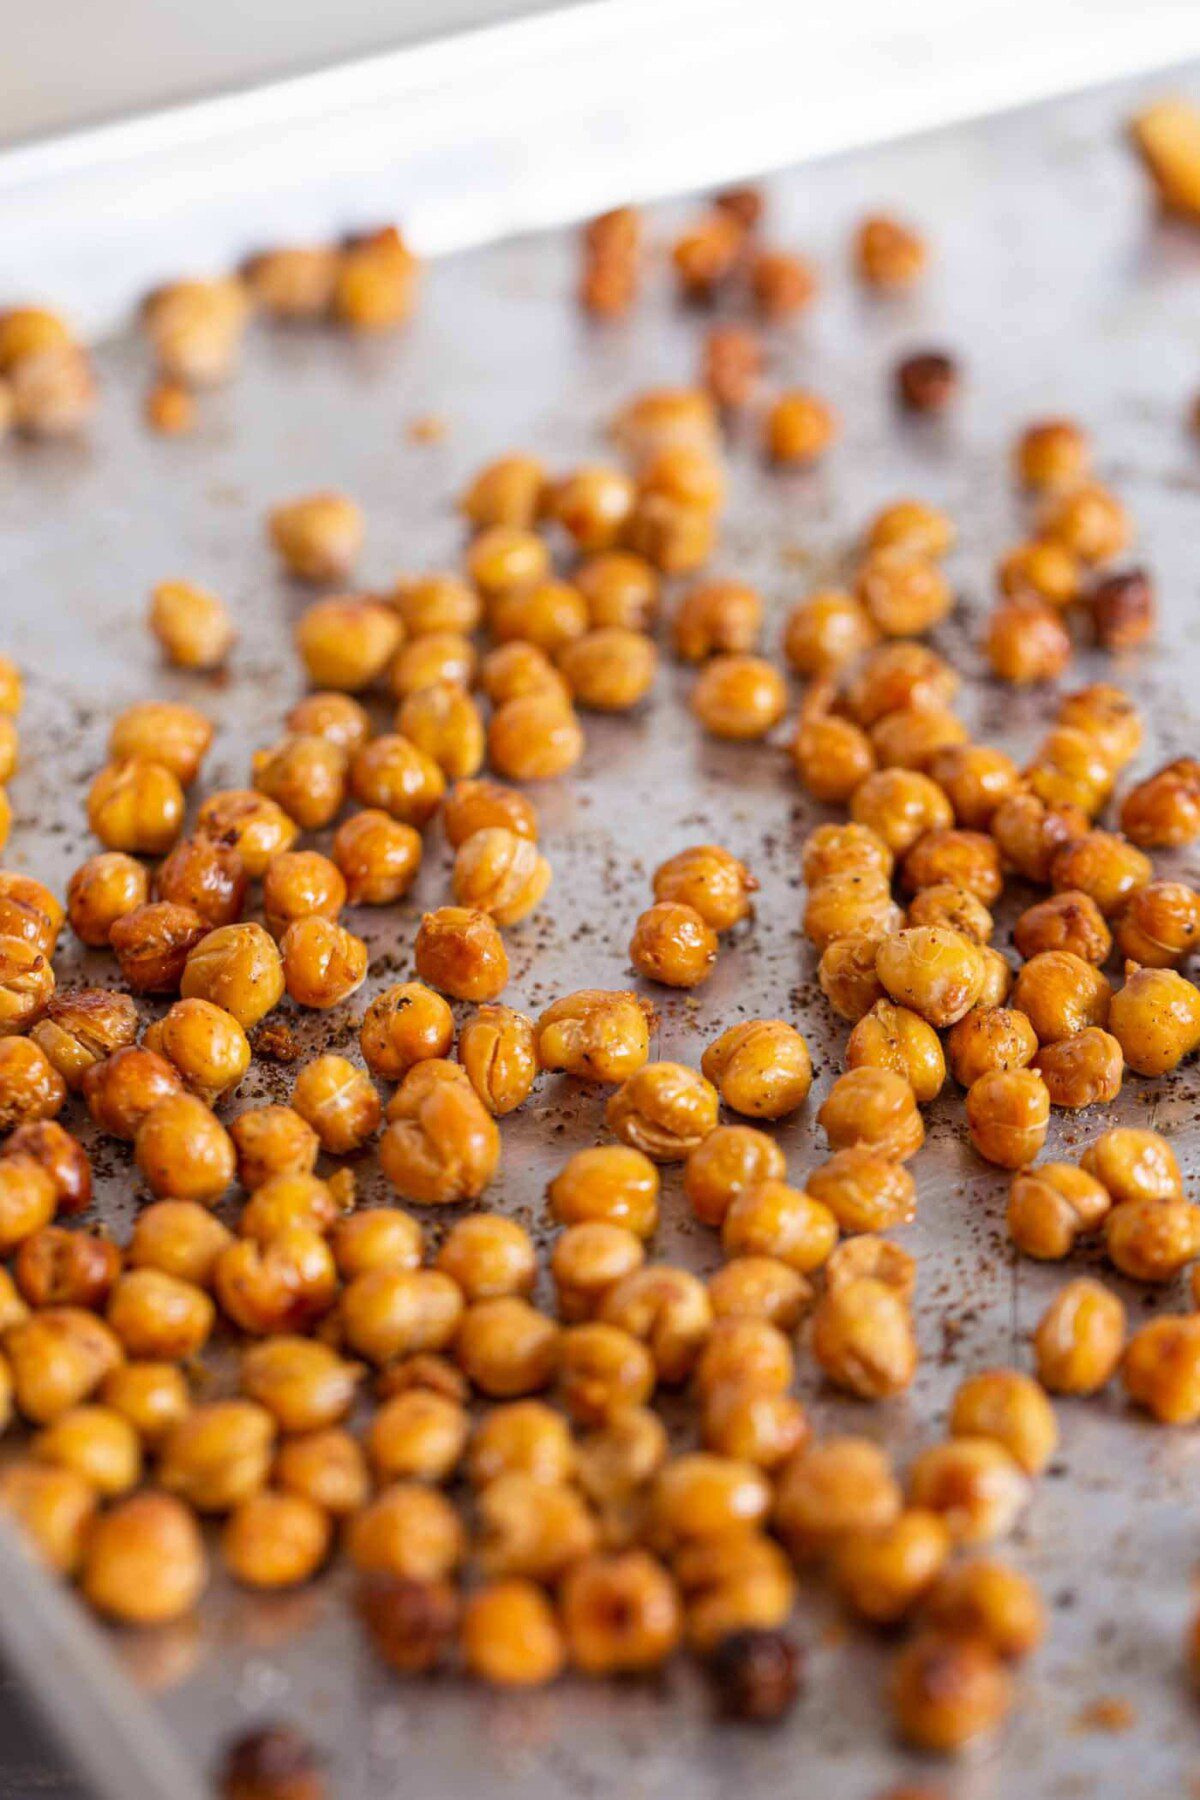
[(58, 1357), (1161, 1369), (707, 254), (893, 1037), (504, 559), (1155, 1019), (248, 822), (55, 1267), (505, 492), (417, 1435), (286, 1284), (615, 1463), (671, 944), (990, 1602), (847, 975), (506, 1348), (664, 1109), (723, 1165), (717, 618), (488, 1255), (31, 1088), (473, 806), (124, 1088), (832, 757), (459, 950), (903, 592), (619, 589), (913, 526), (863, 1339), (237, 968), (825, 632), (967, 859), (603, 1370), (739, 697), (799, 429), (294, 283), (974, 1483), (158, 1317), (97, 1444), (1052, 454), (498, 872), (323, 963), (1011, 1408), (948, 1691), (976, 780), (611, 1183), (699, 1496), (333, 716), (61, 1156), (1163, 812), (11, 687), (588, 1261), (1031, 835), (409, 1529), (548, 614), (218, 1455), (772, 1219), (900, 675), (864, 1191), (1041, 571), (28, 910), (300, 884), (517, 668), (208, 878), (391, 775), (1061, 995), (833, 1487), (270, 1141), (304, 1385), (914, 736), (179, 1238), (857, 905), (621, 1614), (136, 806), (498, 1049), (377, 856), (176, 737), (444, 723), (1152, 1240), (947, 907), (934, 972), (1089, 520), (609, 669), (523, 1437), (1050, 1206), (144, 1562), (27, 1200), (510, 1636), (1159, 924), (748, 1425), (666, 1308), (660, 417), (192, 625), (318, 538), (1133, 1165), (389, 1311), (196, 328), (883, 1574), (1108, 716), (339, 1102), (591, 504), (1079, 1338), (1082, 1070), (81, 1027), (1027, 641), (596, 1034), (275, 1540), (441, 1145), (437, 604), (711, 881), (875, 1109), (888, 254), (152, 945), (327, 1467), (901, 805), (287, 1200), (761, 1068), (402, 1026), (1070, 921), (990, 1038), (749, 1352), (306, 776), (1071, 769), (535, 737), (346, 643), (52, 1507), (1008, 1113)]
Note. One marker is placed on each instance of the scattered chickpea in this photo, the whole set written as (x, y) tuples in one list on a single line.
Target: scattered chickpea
[(144, 1562), (873, 1108), (1079, 1338), (883, 1574), (739, 697), (761, 1068), (989, 1601), (1155, 1018), (773, 1219), (729, 1160), (717, 618), (1027, 642), (339, 1102), (441, 1145), (825, 632), (510, 1636), (947, 1691), (1052, 1205), (596, 1035), (664, 1109), (833, 1487), (889, 254), (1133, 1165), (237, 968), (1164, 810), (1089, 520), (192, 625), (1041, 570), (209, 878), (1161, 1369), (799, 429), (318, 538), (863, 1339), (1008, 1114), (534, 737)]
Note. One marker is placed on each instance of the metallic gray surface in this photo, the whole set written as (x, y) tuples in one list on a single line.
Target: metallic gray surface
[(1060, 295)]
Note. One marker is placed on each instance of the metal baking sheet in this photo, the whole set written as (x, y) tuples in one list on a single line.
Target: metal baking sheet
[(1060, 293)]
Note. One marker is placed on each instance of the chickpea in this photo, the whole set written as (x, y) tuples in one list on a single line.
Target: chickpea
[(61, 1156), (672, 944), (1079, 1338), (152, 945), (417, 1435), (183, 1150), (1071, 769), (1161, 1369), (192, 625), (1050, 1206), (615, 1463), (588, 1261), (391, 775), (144, 1562), (1152, 1240), (609, 669), (383, 1238), (612, 1183), (662, 417), (52, 1507), (1159, 923), (913, 526), (945, 907), (596, 1035), (1052, 454), (1041, 571), (534, 737), (124, 1088), (506, 1348), (377, 856), (620, 590), (1124, 612), (506, 492), (27, 1200), (176, 737), (97, 1444), (976, 781), (699, 1496), (196, 328), (875, 1109), (12, 688), (158, 1317), (669, 1310), (31, 1088), (914, 736), (664, 1109), (444, 723), (530, 1527), (751, 1426), (863, 1338), (772, 1219), (847, 975), (549, 614), (510, 1636), (473, 806), (1027, 642), (603, 1370), (339, 1102), (997, 978), (1089, 520), (306, 777), (437, 604), (522, 1437), (284, 1284), (948, 1691), (1133, 1165), (55, 1267), (900, 675), (832, 757), (1011, 1408), (901, 805), (892, 1037), (1163, 812), (286, 1200), (903, 591), (331, 715), (831, 1488), (500, 873), (506, 558), (1061, 995), (347, 644), (621, 1614), (1108, 716), (275, 1540), (974, 1483), (441, 1145), (727, 1162), (58, 1357), (1082, 1070), (180, 1238), (868, 1257), (272, 1140), (403, 1026), (825, 632), (301, 884), (248, 822), (1070, 921), (888, 254), (761, 1068), (1155, 1019), (323, 963), (237, 968), (390, 1310), (864, 1191), (850, 905), (206, 1045), (799, 429), (1008, 1112), (318, 538), (717, 618), (136, 806), (327, 1467), (990, 1602), (28, 910), (514, 670), (488, 1255), (884, 1573), (207, 878), (459, 950), (739, 697), (706, 256), (934, 972), (1031, 834), (81, 1026), (966, 859), (295, 283)]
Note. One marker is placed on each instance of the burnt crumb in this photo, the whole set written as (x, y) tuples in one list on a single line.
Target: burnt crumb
[(274, 1762), (277, 1042), (755, 1676), (926, 382)]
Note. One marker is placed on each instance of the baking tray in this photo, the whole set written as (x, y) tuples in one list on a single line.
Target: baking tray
[(1060, 293)]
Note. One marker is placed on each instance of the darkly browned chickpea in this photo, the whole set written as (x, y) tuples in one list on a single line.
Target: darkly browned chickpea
[(1027, 642), (1159, 924), (874, 1108), (1164, 810), (717, 618), (1155, 1018), (28, 910), (1069, 920), (82, 1026), (1008, 1112), (323, 963), (208, 877), (1123, 610), (498, 1049), (153, 943), (761, 1068), (927, 381), (672, 944), (1031, 834), (331, 715), (123, 1088), (184, 1151), (249, 823), (903, 591), (238, 968), (162, 731), (136, 806), (460, 951), (440, 1145), (1082, 1070), (1052, 1205), (739, 697), (832, 757), (339, 1102)]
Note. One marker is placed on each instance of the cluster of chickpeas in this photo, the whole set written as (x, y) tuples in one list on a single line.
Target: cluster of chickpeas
[(47, 388)]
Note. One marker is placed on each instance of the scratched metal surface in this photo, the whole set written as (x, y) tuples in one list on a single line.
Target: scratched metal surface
[(1060, 293)]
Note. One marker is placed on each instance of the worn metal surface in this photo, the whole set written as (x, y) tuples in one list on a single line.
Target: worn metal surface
[(1060, 294)]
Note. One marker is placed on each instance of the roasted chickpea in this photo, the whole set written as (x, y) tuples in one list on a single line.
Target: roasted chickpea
[(136, 806), (603, 1370), (535, 737), (875, 1109), (333, 716), (339, 1102), (1027, 641), (711, 881), (739, 697), (1052, 1205), (180, 1238), (729, 1160), (389, 774), (799, 429), (621, 1614), (1061, 995), (175, 736), (402, 1026), (459, 950), (934, 972), (832, 757), (515, 669), (1108, 716), (31, 1088), (327, 1467), (443, 721), (833, 1487), (270, 1141), (857, 905), (192, 625), (888, 254), (1052, 454), (974, 1483), (436, 659), (761, 1068), (947, 907), (27, 1200), (383, 1238), (52, 1507), (81, 1027), (323, 963), (275, 1540), (507, 1348), (1071, 769), (505, 558), (237, 968), (437, 603), (671, 944), (706, 255), (1008, 1113), (1124, 612), (1031, 835), (473, 806), (990, 1602), (1082, 1070), (1152, 1240), (158, 1317), (377, 856), (1133, 1165), (508, 491), (666, 1308), (1089, 520), (1155, 1018), (914, 736), (144, 1563), (862, 1337), (864, 1191), (609, 669), (664, 1109), (976, 781), (510, 1636), (500, 873), (903, 591), (389, 1310), (596, 1034), (12, 687), (990, 1038), (152, 945), (893, 1037), (441, 1144), (661, 417), (488, 1255), (1161, 1369), (97, 1444), (588, 1261), (55, 1267), (218, 1455), (498, 1050), (28, 910), (1079, 1338), (306, 776), (883, 1574), (61, 1156), (285, 1284), (772, 1219), (966, 859), (1164, 810), (948, 1691), (900, 675), (206, 877), (248, 822), (825, 632), (620, 590), (523, 1437), (1011, 1408), (913, 526), (749, 1425), (1040, 570), (287, 1200), (717, 618), (301, 884), (346, 644), (847, 975), (124, 1088), (318, 538), (1159, 924), (1070, 921), (901, 805)]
